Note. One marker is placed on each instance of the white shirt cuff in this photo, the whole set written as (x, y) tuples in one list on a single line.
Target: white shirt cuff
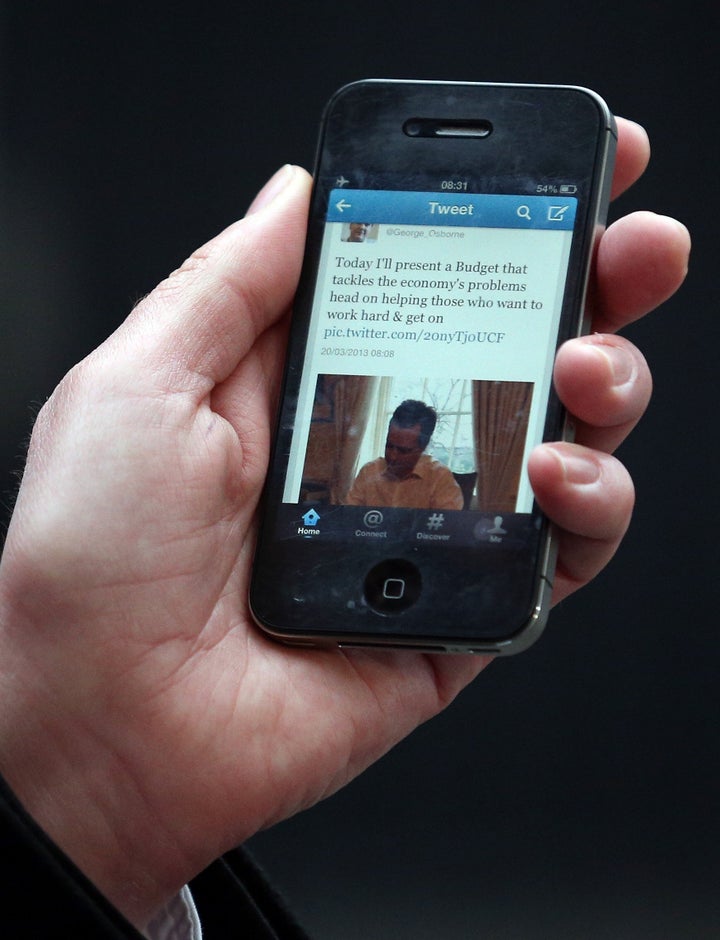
[(178, 920)]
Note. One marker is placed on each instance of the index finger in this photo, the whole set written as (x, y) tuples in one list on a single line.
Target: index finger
[(633, 154)]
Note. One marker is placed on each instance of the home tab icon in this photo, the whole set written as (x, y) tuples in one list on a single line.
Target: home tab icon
[(311, 518)]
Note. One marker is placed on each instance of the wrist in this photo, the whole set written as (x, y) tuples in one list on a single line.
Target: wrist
[(69, 778)]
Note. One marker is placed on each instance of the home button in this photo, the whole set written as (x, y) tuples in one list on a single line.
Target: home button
[(392, 586)]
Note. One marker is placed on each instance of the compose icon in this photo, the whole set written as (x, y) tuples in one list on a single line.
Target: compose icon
[(557, 213)]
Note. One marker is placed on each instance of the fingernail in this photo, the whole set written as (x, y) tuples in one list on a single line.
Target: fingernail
[(622, 363), (579, 469), (272, 189)]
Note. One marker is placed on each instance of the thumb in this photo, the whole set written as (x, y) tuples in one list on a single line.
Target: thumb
[(205, 317)]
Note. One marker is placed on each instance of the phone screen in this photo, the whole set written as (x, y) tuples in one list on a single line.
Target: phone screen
[(446, 299)]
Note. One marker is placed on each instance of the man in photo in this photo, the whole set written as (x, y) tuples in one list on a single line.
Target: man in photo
[(406, 476)]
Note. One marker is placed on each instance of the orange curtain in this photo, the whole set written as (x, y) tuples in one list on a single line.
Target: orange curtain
[(340, 414), (500, 419), (352, 400)]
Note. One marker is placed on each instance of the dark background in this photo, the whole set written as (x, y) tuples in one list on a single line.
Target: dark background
[(572, 791)]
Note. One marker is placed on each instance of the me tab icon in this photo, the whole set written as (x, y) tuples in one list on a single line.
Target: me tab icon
[(311, 518)]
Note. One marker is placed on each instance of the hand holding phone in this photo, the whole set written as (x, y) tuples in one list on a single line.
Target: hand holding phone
[(139, 545)]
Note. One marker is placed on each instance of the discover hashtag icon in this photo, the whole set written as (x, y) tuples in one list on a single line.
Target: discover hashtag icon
[(435, 521)]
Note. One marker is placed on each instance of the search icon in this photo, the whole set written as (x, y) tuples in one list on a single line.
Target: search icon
[(524, 212)]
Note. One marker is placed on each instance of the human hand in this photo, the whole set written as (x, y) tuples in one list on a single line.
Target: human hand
[(146, 724)]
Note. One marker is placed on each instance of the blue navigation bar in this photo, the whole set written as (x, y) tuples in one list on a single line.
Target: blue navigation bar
[(469, 209)]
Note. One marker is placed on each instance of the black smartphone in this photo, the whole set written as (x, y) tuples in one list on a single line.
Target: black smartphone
[(449, 245)]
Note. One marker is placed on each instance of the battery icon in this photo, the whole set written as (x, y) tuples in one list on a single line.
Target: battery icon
[(567, 189)]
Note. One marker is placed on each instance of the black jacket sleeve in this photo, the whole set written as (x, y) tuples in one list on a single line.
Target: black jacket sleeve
[(234, 899), (44, 896)]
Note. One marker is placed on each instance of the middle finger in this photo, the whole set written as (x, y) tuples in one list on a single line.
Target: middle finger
[(604, 382)]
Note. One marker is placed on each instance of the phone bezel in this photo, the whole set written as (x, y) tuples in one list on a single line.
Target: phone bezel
[(553, 118)]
